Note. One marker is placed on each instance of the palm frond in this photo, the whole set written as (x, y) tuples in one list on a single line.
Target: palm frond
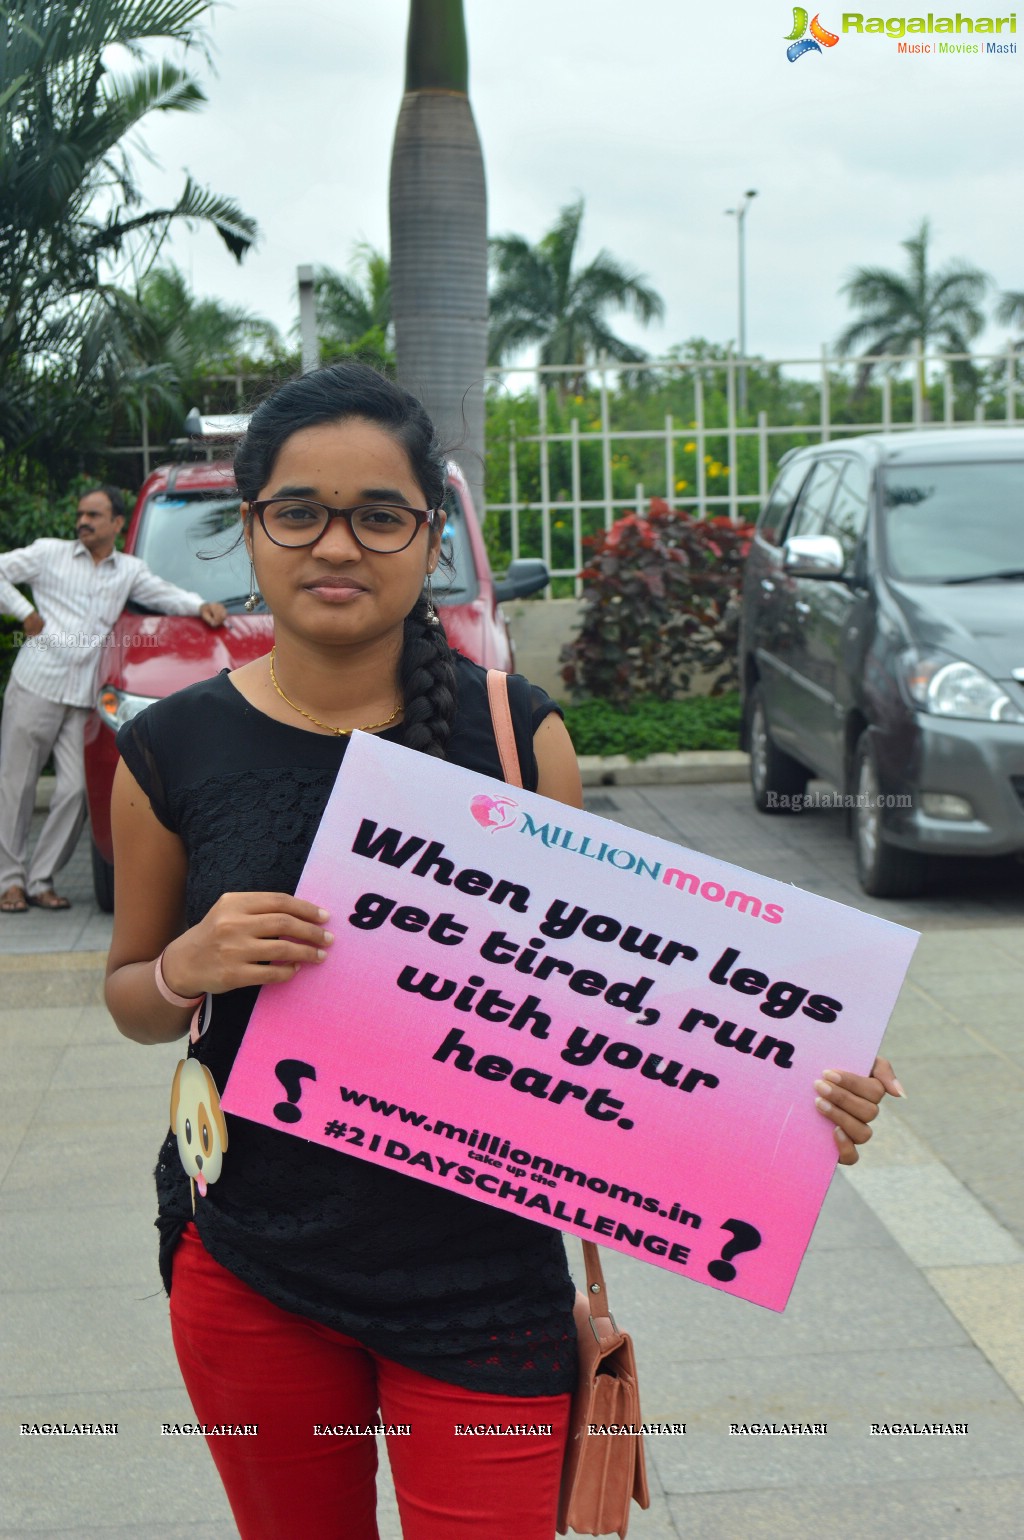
[(508, 336), (162, 87), (348, 307), (878, 286), (237, 230), (916, 247), (559, 246), (1010, 309), (605, 281), (341, 306), (42, 38)]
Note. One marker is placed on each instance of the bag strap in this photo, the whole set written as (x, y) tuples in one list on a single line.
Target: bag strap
[(597, 1291), (505, 738), (501, 721)]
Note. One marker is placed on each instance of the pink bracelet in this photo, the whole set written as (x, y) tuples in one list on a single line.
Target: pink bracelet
[(167, 992)]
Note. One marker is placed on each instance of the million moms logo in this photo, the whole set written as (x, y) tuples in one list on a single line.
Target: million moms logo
[(982, 35)]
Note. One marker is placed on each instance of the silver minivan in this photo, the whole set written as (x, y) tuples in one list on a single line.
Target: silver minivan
[(882, 644)]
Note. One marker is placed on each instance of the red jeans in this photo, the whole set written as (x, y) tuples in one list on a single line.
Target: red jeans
[(246, 1361)]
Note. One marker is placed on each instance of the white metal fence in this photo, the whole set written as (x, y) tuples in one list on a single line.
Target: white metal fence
[(741, 494)]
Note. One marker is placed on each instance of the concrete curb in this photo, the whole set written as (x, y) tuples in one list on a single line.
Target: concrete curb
[(689, 769), (611, 770)]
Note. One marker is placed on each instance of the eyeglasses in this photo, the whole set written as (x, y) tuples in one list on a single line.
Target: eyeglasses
[(381, 527)]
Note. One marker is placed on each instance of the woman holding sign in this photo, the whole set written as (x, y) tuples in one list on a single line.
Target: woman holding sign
[(316, 1297)]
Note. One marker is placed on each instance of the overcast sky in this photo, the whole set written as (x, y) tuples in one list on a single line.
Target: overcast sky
[(658, 113)]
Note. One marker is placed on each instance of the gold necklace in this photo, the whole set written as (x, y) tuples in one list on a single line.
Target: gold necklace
[(339, 732)]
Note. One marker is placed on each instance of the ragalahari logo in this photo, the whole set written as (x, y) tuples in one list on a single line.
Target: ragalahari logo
[(494, 812), (799, 43)]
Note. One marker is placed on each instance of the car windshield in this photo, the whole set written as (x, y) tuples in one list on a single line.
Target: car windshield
[(194, 541), (953, 523), (456, 586)]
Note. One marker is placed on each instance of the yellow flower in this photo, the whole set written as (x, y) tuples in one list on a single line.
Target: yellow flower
[(578, 400), (690, 447), (681, 486)]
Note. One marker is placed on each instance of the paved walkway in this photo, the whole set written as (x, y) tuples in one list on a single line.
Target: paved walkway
[(908, 1309)]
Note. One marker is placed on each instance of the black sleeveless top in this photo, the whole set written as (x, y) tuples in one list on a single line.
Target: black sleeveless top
[(452, 1288)]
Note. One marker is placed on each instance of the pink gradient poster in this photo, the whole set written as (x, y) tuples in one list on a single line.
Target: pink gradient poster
[(562, 1016)]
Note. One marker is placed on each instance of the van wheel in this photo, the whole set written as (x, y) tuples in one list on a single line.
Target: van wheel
[(883, 870), (774, 777), (102, 881)]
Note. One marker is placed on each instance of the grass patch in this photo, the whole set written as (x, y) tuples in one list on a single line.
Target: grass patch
[(651, 726)]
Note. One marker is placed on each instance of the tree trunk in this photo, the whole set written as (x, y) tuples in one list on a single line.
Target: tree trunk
[(439, 236)]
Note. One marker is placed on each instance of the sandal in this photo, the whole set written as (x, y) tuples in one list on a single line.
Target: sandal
[(14, 900), (48, 899)]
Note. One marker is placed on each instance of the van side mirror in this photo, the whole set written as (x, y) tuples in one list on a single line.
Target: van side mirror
[(813, 556)]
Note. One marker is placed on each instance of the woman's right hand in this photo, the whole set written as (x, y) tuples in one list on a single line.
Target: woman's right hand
[(246, 939)]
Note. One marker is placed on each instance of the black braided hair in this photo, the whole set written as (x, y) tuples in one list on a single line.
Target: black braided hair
[(427, 679), (333, 394)]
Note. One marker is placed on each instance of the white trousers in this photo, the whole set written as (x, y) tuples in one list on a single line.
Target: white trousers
[(32, 729)]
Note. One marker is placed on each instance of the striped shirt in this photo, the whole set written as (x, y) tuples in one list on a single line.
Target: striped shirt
[(80, 601)]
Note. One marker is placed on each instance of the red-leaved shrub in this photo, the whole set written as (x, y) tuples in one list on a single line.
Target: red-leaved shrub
[(661, 599)]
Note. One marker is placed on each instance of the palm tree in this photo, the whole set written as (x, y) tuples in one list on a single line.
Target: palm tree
[(180, 340), (538, 296), (439, 233), (354, 311), (190, 333), (898, 311), (72, 219)]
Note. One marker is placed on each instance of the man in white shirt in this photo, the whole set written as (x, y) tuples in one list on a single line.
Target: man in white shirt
[(79, 587)]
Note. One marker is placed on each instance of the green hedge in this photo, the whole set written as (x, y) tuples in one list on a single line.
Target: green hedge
[(651, 726)]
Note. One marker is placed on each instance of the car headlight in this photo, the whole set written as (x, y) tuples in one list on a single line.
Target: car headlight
[(116, 707), (948, 687)]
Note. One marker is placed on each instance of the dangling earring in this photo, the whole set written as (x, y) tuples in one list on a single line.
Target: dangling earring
[(254, 597), (433, 618)]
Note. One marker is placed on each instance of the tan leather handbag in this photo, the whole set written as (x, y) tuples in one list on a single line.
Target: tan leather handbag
[(604, 1467)]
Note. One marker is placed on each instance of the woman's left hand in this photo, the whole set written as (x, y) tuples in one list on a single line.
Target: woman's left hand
[(851, 1101)]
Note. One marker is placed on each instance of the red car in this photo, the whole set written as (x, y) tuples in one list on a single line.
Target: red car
[(185, 526)]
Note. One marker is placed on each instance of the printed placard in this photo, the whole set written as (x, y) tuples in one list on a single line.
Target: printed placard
[(562, 1016)]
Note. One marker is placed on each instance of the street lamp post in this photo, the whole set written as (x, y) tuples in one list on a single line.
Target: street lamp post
[(740, 212)]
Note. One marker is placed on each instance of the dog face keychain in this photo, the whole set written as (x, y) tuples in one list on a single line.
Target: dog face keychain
[(198, 1125)]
